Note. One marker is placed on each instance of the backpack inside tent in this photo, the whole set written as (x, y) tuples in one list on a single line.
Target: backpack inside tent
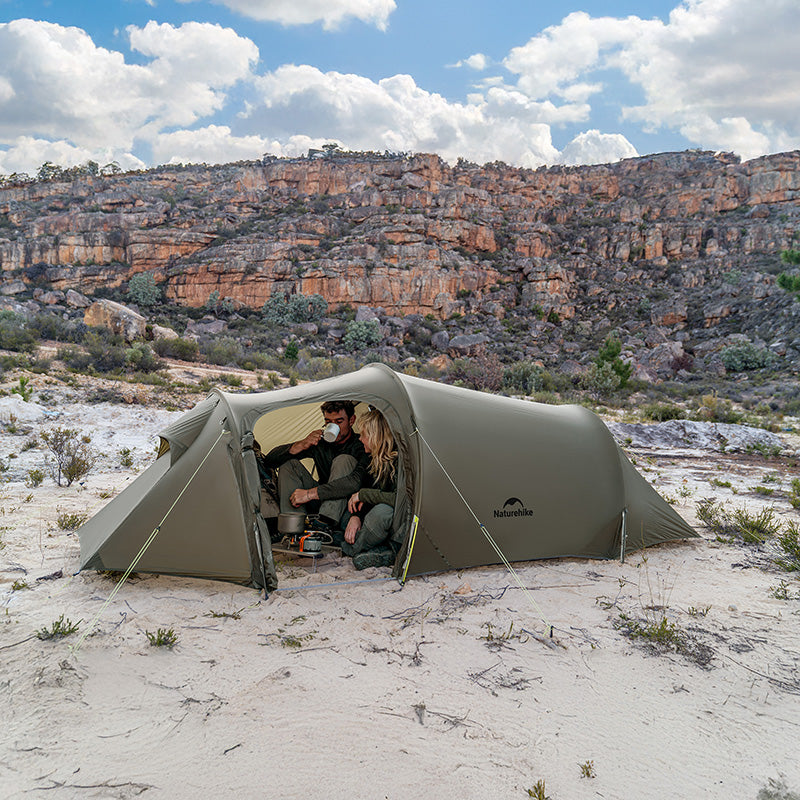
[(544, 481)]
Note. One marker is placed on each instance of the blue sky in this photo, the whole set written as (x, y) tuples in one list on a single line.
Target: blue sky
[(144, 82)]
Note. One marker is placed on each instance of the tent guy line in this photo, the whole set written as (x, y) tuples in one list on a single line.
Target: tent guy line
[(488, 536), (137, 558)]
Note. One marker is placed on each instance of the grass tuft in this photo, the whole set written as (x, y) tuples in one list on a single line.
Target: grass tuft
[(59, 628), (163, 637)]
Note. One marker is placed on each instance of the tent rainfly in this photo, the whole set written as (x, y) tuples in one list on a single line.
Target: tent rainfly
[(545, 481)]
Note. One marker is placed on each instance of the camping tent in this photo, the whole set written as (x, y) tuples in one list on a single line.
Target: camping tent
[(545, 481)]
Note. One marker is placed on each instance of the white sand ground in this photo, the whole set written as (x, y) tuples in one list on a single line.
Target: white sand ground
[(447, 688)]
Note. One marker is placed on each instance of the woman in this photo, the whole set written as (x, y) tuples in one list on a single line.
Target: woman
[(366, 537)]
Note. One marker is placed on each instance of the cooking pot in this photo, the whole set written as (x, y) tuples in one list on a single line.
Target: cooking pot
[(291, 524)]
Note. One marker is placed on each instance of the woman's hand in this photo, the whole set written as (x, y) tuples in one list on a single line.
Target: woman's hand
[(352, 529), (354, 504)]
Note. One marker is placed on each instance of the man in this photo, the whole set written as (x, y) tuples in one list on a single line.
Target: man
[(340, 464)]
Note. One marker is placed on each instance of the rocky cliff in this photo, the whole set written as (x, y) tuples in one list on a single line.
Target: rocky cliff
[(673, 247)]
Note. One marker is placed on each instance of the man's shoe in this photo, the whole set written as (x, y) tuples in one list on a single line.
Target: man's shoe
[(374, 558)]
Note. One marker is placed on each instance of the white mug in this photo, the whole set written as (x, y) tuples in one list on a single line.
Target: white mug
[(330, 432)]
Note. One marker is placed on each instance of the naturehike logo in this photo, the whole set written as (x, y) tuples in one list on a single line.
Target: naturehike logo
[(513, 507)]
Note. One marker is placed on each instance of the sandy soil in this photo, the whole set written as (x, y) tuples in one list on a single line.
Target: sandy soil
[(344, 685)]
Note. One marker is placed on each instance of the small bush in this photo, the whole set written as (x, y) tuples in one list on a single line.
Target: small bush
[(70, 456), (23, 389), (222, 350), (140, 358), (142, 289), (70, 521), (483, 372), (717, 409), (181, 349), (745, 357), (34, 478), (661, 412), (789, 544), (362, 334), (524, 378), (14, 334), (61, 627), (163, 637), (282, 309), (126, 457)]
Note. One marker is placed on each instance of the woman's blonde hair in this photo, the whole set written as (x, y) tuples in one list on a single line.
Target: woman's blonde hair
[(383, 455)]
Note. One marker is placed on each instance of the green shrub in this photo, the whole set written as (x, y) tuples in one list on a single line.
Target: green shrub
[(181, 349), (126, 457), (106, 351), (140, 358), (362, 334), (282, 309), (291, 351), (163, 637), (14, 333), (34, 478), (59, 628), (70, 456), (661, 412), (222, 350), (791, 283), (745, 357), (70, 521), (483, 372), (525, 378), (609, 354), (599, 380), (142, 289), (789, 544)]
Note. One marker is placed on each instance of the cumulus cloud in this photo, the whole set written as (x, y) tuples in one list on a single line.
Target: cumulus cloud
[(477, 61), (724, 73), (216, 144), (396, 114), (27, 154), (593, 147), (331, 13), (57, 84)]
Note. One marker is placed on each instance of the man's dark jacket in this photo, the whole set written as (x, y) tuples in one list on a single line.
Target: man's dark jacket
[(323, 455)]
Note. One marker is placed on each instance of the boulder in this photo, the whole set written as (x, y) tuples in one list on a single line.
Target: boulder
[(160, 332), (12, 287), (77, 300), (440, 341), (467, 344), (116, 317), (207, 326)]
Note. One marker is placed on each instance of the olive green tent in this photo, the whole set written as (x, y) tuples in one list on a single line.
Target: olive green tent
[(544, 481)]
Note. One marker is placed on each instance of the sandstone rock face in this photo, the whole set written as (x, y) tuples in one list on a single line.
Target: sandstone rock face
[(685, 242), (117, 318)]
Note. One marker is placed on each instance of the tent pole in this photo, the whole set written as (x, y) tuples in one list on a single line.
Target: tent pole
[(623, 536), (415, 524)]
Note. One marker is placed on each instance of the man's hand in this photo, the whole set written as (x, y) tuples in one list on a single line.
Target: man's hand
[(300, 497), (352, 529), (310, 440), (354, 504)]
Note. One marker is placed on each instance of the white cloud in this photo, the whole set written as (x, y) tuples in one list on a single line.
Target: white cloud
[(396, 114), (216, 144), (477, 61), (593, 147), (27, 154), (724, 73), (59, 85), (331, 13)]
